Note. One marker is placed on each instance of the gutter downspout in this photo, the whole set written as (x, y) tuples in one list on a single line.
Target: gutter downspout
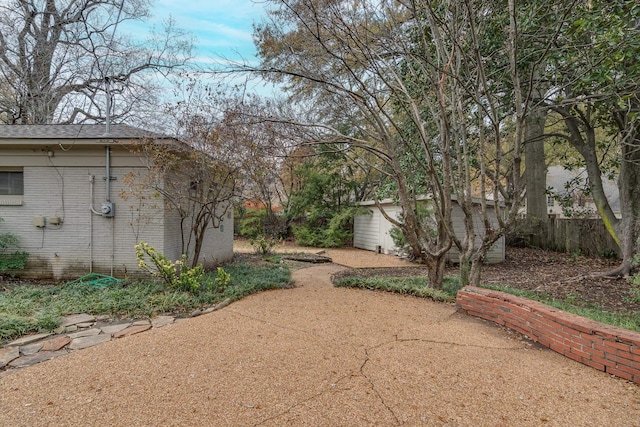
[(108, 199), (91, 213), (108, 173)]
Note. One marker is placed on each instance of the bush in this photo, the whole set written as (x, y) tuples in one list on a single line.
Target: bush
[(635, 282), (263, 245), (11, 260), (256, 223), (177, 275), (332, 231)]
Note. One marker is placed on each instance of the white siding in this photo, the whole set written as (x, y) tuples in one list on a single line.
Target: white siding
[(495, 253), (60, 186), (372, 231), (366, 230), (218, 241), (83, 241)]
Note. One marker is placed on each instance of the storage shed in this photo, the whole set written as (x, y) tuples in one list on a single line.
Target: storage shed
[(372, 231)]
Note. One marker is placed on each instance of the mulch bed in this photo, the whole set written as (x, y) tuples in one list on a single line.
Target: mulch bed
[(573, 279)]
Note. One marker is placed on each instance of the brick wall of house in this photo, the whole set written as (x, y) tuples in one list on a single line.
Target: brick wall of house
[(609, 349)]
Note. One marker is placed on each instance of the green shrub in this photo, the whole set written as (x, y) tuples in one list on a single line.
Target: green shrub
[(256, 223), (177, 275), (635, 282), (251, 223), (9, 260), (263, 245)]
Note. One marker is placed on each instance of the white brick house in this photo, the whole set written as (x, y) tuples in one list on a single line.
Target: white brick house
[(61, 193)]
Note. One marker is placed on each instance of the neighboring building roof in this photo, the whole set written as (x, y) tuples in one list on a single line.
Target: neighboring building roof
[(475, 200), (84, 131), (558, 176)]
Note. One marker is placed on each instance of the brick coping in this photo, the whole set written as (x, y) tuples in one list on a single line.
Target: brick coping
[(607, 348)]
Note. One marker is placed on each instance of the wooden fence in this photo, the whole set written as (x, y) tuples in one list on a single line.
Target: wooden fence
[(587, 236)]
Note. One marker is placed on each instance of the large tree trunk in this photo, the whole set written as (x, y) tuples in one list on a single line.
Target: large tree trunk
[(629, 184), (536, 174)]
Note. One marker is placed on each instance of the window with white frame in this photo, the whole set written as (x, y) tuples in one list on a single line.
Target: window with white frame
[(11, 187)]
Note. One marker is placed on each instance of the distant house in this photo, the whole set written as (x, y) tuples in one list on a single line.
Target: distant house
[(63, 192), (567, 196), (372, 231)]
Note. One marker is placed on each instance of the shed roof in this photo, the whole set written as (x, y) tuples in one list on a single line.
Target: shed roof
[(82, 131)]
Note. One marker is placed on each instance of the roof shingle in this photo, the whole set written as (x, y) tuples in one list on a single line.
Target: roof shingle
[(116, 131)]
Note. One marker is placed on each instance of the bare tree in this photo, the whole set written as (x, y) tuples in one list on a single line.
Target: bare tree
[(428, 88), (57, 56)]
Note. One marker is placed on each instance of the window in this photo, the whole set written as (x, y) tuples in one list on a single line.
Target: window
[(551, 201), (11, 183), (11, 187)]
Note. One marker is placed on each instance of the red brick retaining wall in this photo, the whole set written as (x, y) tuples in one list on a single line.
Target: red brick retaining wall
[(612, 350)]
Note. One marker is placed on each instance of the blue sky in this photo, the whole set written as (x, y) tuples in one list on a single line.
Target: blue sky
[(222, 27)]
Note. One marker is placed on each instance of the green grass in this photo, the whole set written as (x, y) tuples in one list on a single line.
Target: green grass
[(25, 309), (626, 320), (415, 286)]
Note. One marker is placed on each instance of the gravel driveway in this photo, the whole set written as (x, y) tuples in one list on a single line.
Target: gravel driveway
[(319, 356)]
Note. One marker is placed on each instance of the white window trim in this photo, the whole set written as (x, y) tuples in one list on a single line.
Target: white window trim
[(11, 200)]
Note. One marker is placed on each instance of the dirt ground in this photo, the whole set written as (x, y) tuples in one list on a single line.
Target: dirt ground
[(322, 356), (316, 355), (570, 278)]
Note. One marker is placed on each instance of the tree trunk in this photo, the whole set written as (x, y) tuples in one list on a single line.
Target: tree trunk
[(435, 271), (536, 174), (629, 183)]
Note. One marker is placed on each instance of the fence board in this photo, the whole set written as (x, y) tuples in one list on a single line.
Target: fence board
[(588, 236)]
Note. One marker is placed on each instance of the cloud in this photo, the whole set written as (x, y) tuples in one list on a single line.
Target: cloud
[(222, 27)]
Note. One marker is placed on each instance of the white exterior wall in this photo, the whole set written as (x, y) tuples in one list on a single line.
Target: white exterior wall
[(366, 230), (218, 241), (497, 251), (60, 186), (372, 231)]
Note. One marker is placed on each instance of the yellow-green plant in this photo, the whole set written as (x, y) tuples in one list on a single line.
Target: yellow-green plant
[(263, 245), (222, 279), (176, 274)]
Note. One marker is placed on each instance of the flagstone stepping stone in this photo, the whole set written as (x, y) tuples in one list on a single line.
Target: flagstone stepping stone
[(85, 333), (8, 354), (74, 319), (40, 356), (28, 339), (112, 329), (55, 344), (142, 322), (160, 321), (88, 341), (85, 324), (26, 350), (132, 331)]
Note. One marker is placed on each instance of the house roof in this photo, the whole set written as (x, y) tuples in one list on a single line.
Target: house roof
[(84, 131), (558, 177)]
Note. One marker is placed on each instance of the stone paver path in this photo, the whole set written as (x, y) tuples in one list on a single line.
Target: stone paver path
[(77, 332)]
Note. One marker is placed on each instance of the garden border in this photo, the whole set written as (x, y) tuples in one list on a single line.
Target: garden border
[(610, 349)]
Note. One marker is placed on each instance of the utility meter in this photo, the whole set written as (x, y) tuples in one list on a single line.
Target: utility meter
[(108, 209)]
